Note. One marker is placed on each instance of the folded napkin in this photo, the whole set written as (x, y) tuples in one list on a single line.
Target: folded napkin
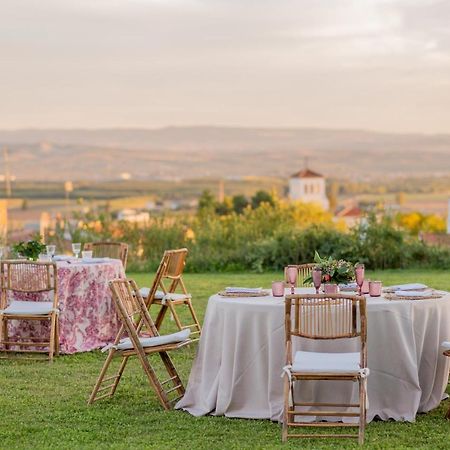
[(94, 260), (348, 286), (413, 294), (408, 287), (242, 290)]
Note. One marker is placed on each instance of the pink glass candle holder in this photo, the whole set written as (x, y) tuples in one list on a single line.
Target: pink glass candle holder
[(375, 288), (278, 288), (365, 287), (331, 288)]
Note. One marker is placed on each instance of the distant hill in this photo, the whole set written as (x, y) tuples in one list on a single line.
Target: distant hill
[(198, 152)]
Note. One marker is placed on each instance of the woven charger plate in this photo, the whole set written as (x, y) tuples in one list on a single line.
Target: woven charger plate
[(401, 297), (243, 294)]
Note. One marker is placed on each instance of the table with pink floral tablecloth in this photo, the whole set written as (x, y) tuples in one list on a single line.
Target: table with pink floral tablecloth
[(87, 317)]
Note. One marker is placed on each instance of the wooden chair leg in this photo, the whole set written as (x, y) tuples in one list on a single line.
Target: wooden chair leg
[(173, 374), (101, 378), (284, 432), (57, 336), (154, 382), (52, 337), (175, 315), (160, 316), (362, 410), (447, 416), (194, 316), (4, 332)]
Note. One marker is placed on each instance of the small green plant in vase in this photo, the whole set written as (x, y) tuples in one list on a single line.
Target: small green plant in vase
[(29, 250)]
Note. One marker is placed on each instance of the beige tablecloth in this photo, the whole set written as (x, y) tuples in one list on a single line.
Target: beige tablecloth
[(237, 371)]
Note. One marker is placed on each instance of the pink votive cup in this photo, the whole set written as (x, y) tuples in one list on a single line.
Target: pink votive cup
[(375, 288), (365, 287), (278, 288)]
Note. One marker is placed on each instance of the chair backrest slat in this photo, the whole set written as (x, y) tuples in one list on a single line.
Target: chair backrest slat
[(329, 316), (304, 271), (115, 250), (28, 277), (131, 308)]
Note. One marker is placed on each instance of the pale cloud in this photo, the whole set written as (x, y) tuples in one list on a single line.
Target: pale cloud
[(340, 63)]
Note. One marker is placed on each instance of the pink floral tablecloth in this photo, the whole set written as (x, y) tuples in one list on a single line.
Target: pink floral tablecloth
[(87, 317)]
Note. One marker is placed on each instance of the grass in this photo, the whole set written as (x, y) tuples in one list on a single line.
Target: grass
[(44, 406)]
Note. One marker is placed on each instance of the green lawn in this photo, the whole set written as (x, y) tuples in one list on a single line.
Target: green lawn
[(44, 406)]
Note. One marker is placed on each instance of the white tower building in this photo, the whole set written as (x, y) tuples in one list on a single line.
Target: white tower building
[(308, 187)]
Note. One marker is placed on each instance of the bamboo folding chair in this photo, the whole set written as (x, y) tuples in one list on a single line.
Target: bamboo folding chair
[(115, 250), (29, 277), (324, 317), (171, 270), (446, 347), (304, 272), (134, 315)]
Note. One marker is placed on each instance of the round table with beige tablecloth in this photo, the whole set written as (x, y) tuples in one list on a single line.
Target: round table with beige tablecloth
[(237, 371)]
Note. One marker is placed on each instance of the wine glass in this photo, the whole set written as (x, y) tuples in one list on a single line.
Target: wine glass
[(76, 248), (359, 273), (292, 275), (2, 252), (317, 278), (50, 250)]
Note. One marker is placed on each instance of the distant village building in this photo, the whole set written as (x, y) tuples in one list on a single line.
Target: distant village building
[(352, 215), (308, 187)]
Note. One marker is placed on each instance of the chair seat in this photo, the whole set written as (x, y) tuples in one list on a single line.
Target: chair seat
[(338, 363), (180, 336), (446, 345), (172, 296), (146, 290), (19, 308)]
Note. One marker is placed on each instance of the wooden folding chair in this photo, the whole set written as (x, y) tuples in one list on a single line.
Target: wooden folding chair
[(304, 272), (115, 250), (134, 315), (171, 269), (39, 279), (446, 346), (325, 317)]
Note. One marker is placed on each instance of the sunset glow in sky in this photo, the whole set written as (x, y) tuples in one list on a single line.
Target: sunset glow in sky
[(373, 64)]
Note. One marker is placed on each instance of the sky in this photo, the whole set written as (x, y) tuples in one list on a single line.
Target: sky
[(362, 64)]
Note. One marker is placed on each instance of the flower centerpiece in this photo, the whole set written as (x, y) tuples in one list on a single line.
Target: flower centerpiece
[(334, 271), (29, 250)]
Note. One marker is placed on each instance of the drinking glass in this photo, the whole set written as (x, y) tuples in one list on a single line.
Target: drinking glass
[(2, 252), (359, 272), (76, 248), (317, 279), (50, 250), (292, 275)]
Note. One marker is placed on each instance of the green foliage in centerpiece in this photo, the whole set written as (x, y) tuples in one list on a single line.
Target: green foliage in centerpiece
[(30, 249), (333, 270)]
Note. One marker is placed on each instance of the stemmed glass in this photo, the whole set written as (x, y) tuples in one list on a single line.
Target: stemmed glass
[(292, 275), (359, 273), (76, 248), (317, 278), (2, 251), (50, 250)]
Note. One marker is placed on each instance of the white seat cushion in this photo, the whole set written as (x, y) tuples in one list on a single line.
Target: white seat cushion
[(314, 362), (180, 336), (446, 345), (27, 308), (146, 290), (174, 297)]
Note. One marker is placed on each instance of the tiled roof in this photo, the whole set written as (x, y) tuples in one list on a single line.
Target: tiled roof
[(306, 173)]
